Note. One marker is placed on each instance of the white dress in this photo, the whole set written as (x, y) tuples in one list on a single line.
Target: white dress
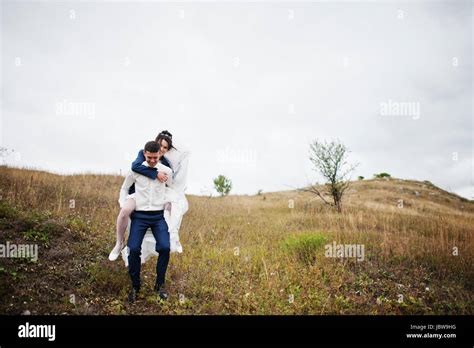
[(176, 207)]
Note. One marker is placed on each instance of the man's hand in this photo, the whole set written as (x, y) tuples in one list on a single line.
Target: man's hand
[(162, 176)]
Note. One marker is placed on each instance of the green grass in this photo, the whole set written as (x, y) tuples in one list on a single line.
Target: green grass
[(306, 246)]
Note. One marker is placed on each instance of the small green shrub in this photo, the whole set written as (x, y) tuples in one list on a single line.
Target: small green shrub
[(77, 223), (306, 246), (51, 228), (7, 211), (429, 183), (36, 235), (382, 175)]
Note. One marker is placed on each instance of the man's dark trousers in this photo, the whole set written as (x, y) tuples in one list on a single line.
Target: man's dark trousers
[(141, 221)]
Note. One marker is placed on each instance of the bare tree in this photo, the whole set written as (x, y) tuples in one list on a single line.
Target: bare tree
[(330, 161)]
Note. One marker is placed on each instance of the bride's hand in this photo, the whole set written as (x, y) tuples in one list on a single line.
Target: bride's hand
[(162, 177)]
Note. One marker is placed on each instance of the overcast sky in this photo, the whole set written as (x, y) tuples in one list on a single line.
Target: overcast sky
[(246, 86)]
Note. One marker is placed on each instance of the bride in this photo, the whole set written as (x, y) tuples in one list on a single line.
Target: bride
[(176, 207)]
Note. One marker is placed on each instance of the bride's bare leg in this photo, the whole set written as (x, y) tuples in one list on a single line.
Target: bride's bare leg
[(122, 222), (122, 218)]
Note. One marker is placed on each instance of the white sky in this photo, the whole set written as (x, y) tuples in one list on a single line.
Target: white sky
[(244, 85)]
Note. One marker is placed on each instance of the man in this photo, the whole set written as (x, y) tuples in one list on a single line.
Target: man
[(150, 200)]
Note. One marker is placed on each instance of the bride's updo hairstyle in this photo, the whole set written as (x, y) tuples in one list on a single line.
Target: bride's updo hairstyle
[(165, 135)]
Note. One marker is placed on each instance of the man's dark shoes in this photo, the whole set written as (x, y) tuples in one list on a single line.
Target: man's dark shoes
[(133, 295), (160, 291)]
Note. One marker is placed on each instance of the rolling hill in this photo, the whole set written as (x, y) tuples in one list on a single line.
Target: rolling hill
[(261, 254)]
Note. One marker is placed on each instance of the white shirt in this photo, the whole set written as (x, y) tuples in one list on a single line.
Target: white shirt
[(150, 194)]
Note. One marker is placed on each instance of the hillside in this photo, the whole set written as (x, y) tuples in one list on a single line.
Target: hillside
[(242, 254)]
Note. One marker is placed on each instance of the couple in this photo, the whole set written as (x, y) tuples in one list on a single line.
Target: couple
[(152, 195)]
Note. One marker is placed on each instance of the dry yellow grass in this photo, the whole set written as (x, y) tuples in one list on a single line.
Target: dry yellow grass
[(244, 254)]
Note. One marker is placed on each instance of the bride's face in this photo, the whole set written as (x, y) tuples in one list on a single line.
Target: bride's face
[(164, 147)]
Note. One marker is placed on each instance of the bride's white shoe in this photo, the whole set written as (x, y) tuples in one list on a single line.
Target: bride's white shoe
[(114, 254)]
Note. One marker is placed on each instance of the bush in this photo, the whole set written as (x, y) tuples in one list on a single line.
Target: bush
[(7, 211), (382, 175), (78, 224), (306, 246), (35, 235), (222, 185), (360, 177), (51, 228)]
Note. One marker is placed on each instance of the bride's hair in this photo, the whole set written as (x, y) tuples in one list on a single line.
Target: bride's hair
[(166, 133), (166, 136)]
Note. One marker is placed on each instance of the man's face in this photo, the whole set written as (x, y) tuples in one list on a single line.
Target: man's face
[(152, 158), (164, 147)]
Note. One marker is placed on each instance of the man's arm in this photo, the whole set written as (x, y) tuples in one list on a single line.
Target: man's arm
[(139, 168), (129, 180)]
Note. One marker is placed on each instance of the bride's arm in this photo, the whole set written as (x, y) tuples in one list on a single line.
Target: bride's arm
[(139, 168), (181, 172)]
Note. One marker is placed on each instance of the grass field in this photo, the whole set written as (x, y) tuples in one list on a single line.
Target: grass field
[(242, 254)]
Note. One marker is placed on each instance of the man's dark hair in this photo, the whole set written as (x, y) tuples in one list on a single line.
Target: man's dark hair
[(152, 146)]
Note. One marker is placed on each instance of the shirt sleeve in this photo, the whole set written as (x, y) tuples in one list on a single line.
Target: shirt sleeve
[(139, 168)]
